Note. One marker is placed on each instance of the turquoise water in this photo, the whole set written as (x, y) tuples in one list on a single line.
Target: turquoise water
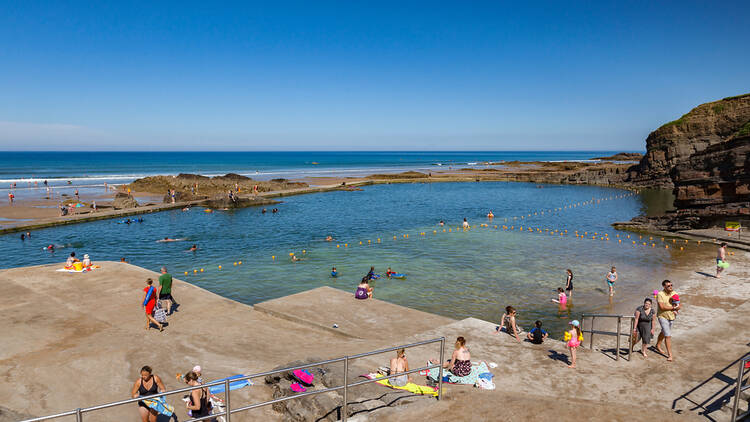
[(458, 273)]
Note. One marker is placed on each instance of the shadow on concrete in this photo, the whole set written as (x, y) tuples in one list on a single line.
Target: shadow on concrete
[(717, 399), (562, 357), (705, 274)]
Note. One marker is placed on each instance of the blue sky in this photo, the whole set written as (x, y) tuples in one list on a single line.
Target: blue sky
[(361, 75)]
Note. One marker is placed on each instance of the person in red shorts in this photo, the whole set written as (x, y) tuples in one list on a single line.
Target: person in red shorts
[(148, 303)]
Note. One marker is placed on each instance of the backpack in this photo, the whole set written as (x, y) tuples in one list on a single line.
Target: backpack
[(537, 335)]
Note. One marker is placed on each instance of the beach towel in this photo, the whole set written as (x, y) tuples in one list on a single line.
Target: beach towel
[(410, 387), (471, 379), (233, 385), (160, 405)]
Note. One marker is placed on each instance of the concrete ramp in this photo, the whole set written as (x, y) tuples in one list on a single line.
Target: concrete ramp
[(362, 319)]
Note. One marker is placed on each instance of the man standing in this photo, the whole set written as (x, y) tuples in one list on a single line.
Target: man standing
[(165, 289), (721, 256), (666, 314)]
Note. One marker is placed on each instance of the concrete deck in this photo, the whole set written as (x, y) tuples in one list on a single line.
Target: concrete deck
[(75, 340), (359, 319)]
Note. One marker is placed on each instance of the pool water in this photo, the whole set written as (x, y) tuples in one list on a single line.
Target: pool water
[(456, 273)]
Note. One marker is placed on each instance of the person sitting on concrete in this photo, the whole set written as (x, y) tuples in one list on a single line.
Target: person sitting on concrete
[(399, 364), (364, 291), (537, 335), (460, 361), (508, 323), (86, 261), (71, 260)]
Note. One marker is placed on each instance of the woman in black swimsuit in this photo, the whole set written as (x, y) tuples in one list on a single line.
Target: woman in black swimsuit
[(198, 405), (569, 284), (147, 385)]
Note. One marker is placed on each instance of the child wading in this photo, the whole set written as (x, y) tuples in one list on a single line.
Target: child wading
[(574, 338)]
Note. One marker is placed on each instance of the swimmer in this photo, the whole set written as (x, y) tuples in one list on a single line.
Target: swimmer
[(490, 215), (389, 272), (264, 211), (329, 238), (275, 210), (334, 273), (50, 248), (370, 274), (193, 248), (186, 209), (167, 239), (466, 224), (295, 259), (442, 223)]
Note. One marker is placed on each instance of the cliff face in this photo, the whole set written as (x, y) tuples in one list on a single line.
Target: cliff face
[(705, 157)]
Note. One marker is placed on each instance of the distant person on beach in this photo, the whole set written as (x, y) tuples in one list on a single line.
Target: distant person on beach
[(193, 248), (165, 289), (364, 291), (398, 365), (78, 198), (569, 283), (465, 224), (666, 315), (574, 340), (149, 303), (460, 362), (645, 324), (721, 256), (508, 323), (147, 385), (71, 260), (198, 403), (611, 278), (537, 335)]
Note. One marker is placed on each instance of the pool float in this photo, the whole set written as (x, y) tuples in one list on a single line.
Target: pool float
[(398, 275)]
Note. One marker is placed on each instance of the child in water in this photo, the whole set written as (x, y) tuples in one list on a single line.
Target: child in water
[(573, 338), (562, 298)]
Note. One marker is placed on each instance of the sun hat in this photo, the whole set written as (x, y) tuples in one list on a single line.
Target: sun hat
[(196, 368), (575, 323), (85, 256)]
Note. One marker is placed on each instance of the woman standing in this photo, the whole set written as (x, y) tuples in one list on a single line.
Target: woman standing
[(148, 303), (645, 323), (569, 284), (147, 385)]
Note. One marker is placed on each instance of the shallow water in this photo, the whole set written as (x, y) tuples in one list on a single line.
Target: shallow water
[(457, 274)]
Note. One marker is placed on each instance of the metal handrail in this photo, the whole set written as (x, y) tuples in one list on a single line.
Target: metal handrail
[(738, 391), (618, 333), (227, 403)]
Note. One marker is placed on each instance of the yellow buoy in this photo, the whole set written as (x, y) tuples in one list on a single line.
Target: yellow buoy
[(360, 242), (338, 246), (234, 263), (186, 272), (273, 257), (201, 269), (219, 266), (346, 244), (291, 253), (195, 271), (239, 263)]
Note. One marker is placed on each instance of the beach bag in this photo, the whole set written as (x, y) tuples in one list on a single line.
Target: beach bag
[(159, 313), (485, 381)]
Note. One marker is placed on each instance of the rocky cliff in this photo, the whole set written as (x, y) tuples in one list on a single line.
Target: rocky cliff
[(704, 156)]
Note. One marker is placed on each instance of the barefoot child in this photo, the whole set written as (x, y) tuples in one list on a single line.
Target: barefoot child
[(574, 338), (611, 278), (562, 298)]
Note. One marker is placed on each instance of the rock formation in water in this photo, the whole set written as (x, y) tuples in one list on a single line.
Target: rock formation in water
[(704, 156)]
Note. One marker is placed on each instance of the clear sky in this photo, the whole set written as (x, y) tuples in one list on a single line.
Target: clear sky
[(351, 75)]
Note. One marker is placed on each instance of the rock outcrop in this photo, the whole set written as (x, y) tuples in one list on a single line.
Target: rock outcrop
[(123, 201), (704, 156)]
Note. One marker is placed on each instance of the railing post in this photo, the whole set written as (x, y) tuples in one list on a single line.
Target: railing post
[(440, 370), (738, 391), (345, 406), (630, 339), (619, 320), (79, 415), (227, 403), (591, 340)]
